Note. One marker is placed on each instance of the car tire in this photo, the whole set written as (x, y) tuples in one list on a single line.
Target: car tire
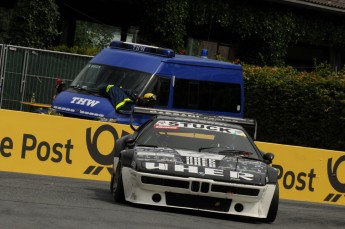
[(117, 185), (272, 212), (112, 183)]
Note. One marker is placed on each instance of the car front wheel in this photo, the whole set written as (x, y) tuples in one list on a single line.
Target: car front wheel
[(272, 212), (117, 184)]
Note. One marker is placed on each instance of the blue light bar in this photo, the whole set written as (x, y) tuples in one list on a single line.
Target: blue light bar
[(143, 48), (204, 53)]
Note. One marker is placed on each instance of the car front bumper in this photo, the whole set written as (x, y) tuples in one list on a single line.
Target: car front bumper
[(197, 194)]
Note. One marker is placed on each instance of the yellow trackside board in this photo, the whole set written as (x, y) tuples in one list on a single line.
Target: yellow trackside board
[(54, 145), (68, 147), (309, 174)]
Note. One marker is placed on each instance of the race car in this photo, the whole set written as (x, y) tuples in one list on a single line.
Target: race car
[(195, 161)]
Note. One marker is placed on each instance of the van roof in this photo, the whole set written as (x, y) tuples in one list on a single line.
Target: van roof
[(149, 63), (193, 60)]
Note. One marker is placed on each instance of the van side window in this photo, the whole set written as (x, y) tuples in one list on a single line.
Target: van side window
[(207, 96), (163, 91), (160, 86)]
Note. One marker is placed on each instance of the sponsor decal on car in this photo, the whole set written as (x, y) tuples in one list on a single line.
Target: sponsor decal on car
[(232, 175), (162, 124)]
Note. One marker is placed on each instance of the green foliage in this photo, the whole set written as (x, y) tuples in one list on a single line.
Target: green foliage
[(94, 35), (5, 15), (266, 29), (33, 23), (89, 51), (323, 69), (168, 18), (296, 108)]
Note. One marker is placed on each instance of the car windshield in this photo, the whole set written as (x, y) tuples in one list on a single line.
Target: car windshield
[(94, 77), (201, 137)]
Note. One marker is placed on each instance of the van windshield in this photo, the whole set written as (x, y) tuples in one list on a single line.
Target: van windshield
[(94, 77)]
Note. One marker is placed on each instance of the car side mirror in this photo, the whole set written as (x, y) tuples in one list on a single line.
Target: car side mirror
[(129, 141), (268, 157)]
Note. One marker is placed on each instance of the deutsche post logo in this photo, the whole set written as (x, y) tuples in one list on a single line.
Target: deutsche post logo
[(334, 181), (104, 159)]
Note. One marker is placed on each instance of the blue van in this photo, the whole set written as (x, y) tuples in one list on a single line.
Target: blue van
[(179, 82)]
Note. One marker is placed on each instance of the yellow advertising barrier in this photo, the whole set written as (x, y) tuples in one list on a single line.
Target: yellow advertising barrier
[(309, 174), (59, 146)]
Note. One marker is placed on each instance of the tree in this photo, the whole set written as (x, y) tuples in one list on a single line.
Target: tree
[(33, 23), (262, 30), (168, 20), (94, 35)]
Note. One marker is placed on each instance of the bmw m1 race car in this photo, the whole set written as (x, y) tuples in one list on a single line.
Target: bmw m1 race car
[(195, 161)]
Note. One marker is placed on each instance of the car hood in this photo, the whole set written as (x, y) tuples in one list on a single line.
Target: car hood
[(184, 163)]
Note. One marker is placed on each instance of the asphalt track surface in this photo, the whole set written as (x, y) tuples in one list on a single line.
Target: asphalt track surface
[(32, 201)]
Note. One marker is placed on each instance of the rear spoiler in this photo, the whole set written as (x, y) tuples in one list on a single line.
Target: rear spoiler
[(249, 124)]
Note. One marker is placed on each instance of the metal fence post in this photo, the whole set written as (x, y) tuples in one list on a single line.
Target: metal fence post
[(2, 71)]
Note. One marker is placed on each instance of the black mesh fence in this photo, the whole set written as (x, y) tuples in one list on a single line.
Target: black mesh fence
[(26, 73)]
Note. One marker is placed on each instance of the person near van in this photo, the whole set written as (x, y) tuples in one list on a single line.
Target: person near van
[(121, 100), (148, 100), (60, 86)]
